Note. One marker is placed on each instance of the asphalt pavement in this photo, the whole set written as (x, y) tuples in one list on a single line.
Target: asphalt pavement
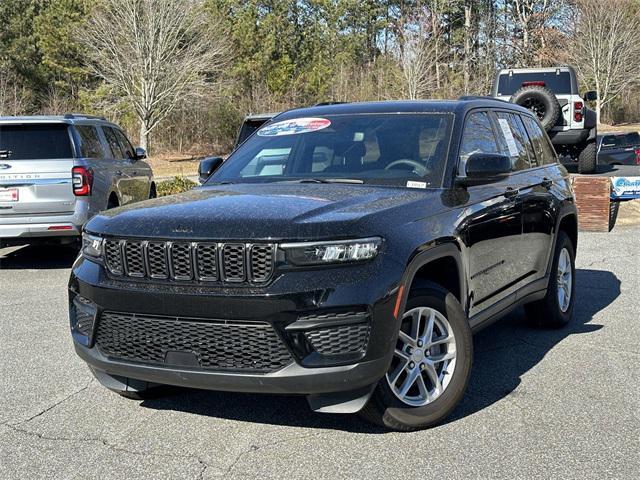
[(541, 404)]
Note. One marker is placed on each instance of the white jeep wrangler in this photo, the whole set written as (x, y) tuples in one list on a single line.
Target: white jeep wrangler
[(552, 94)]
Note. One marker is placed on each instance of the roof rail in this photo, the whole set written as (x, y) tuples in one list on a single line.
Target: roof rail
[(322, 104), (83, 115), (480, 97)]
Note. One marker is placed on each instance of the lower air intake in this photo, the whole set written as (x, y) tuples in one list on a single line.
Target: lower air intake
[(216, 344)]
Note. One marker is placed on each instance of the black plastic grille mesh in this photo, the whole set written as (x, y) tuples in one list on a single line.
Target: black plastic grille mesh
[(157, 260), (340, 340), (191, 261), (113, 256), (181, 261), (233, 262), (207, 255), (217, 345), (261, 262), (135, 259)]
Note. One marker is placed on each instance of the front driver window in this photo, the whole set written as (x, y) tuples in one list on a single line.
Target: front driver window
[(478, 137)]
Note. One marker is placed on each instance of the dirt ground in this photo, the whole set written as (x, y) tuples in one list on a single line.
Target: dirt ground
[(175, 165), (629, 213)]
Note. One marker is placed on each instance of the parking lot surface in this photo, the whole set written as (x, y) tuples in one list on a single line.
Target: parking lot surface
[(541, 404)]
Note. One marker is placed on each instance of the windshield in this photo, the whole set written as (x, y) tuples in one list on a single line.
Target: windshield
[(36, 141), (367, 148)]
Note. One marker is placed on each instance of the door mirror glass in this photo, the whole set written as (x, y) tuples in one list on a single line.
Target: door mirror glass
[(590, 96), (482, 168), (140, 153), (207, 167)]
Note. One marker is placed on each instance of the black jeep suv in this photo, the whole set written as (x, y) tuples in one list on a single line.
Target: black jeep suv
[(343, 252)]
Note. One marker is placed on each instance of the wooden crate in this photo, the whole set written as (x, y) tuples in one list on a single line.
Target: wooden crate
[(593, 199)]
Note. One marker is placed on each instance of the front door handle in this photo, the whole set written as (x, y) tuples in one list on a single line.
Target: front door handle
[(511, 192), (135, 172), (119, 173), (547, 183)]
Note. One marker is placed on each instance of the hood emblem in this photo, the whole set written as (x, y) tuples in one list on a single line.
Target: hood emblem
[(4, 166), (182, 229)]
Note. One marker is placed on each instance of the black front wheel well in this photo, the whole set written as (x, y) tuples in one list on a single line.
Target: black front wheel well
[(569, 225), (442, 271)]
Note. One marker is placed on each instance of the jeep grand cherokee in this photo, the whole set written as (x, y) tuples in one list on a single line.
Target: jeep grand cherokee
[(343, 252)]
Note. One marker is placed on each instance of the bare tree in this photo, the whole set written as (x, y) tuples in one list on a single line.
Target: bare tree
[(14, 98), (418, 53), (605, 49), (158, 53)]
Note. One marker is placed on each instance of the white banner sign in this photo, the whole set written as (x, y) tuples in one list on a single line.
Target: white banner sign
[(625, 187)]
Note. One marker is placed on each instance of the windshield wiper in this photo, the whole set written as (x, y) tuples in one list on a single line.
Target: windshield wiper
[(327, 180)]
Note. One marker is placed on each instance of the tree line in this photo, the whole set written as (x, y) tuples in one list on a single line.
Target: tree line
[(183, 73)]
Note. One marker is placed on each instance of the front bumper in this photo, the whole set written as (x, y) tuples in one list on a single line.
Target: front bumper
[(282, 304)]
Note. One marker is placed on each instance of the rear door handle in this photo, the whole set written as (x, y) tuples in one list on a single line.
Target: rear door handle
[(511, 192), (547, 183)]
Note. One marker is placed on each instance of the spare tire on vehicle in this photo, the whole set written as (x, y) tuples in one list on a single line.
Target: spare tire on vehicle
[(541, 101)]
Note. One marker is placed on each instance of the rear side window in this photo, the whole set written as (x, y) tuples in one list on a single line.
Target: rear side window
[(478, 137), (34, 142), (125, 145), (544, 151), (558, 83), (90, 145), (514, 140), (621, 140), (248, 127), (116, 150)]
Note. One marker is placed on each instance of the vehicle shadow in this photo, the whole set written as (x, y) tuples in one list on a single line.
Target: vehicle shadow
[(38, 257), (497, 371)]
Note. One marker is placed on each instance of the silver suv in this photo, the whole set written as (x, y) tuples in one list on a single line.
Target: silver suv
[(56, 172)]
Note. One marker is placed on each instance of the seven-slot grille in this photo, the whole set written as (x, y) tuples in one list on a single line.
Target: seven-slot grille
[(191, 261)]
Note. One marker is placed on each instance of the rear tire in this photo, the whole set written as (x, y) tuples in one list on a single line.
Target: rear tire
[(426, 402), (587, 158), (549, 312)]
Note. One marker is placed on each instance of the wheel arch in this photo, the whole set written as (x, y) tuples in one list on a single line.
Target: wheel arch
[(441, 264), (113, 195)]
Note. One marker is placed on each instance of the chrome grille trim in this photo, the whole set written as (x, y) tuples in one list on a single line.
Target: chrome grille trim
[(234, 263)]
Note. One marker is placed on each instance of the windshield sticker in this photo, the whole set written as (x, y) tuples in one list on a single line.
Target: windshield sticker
[(294, 127), (508, 136), (412, 184)]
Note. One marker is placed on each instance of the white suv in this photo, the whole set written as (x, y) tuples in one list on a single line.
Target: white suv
[(552, 94)]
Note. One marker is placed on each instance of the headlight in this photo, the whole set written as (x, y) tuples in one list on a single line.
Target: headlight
[(92, 246), (321, 253)]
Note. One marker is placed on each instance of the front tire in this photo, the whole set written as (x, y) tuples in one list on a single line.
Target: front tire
[(556, 308), (430, 370)]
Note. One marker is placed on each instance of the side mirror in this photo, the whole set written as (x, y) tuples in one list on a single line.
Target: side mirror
[(590, 96), (140, 153), (482, 168), (207, 167)]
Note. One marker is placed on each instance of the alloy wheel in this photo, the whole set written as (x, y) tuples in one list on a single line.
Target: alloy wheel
[(565, 280), (424, 358)]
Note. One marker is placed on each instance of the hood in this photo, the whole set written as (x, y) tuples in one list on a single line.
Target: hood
[(270, 211)]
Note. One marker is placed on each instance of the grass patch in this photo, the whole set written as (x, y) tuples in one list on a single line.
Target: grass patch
[(175, 185)]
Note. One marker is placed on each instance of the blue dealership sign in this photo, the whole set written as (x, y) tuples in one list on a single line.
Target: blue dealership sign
[(625, 188)]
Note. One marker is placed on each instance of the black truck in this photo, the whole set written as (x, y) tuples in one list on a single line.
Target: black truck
[(620, 148), (343, 252)]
